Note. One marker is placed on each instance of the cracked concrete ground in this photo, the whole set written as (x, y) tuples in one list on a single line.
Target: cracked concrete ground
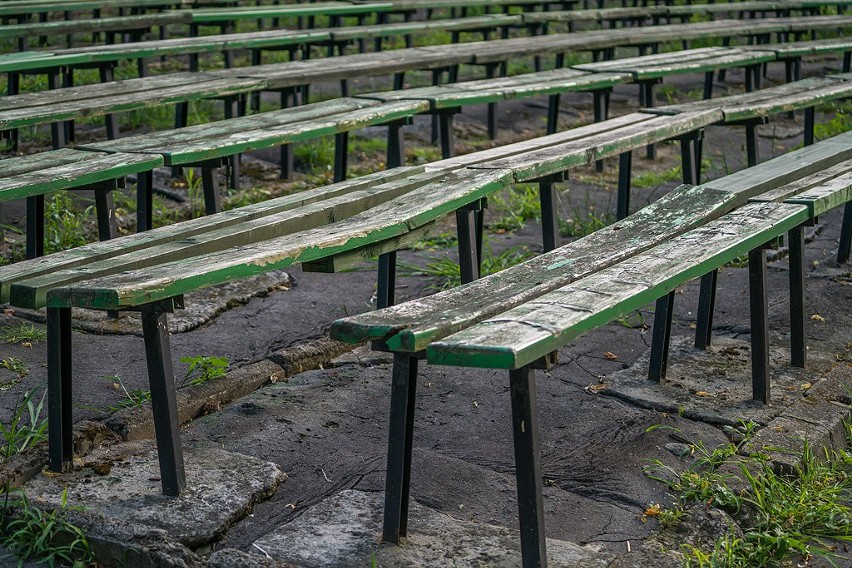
[(327, 428)]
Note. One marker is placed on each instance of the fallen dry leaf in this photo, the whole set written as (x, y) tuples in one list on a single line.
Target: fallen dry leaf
[(27, 344), (8, 312), (702, 393), (817, 317), (610, 355), (806, 386), (596, 387)]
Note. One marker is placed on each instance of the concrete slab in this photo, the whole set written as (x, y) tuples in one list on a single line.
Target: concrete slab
[(714, 386), (345, 530), (123, 483)]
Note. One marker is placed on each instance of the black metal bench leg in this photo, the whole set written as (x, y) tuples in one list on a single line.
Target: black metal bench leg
[(436, 127), (468, 248), (35, 226), (400, 440), (287, 97), (490, 72), (58, 130), (601, 112), (68, 81), (163, 404), (110, 120), (798, 345), (845, 235), (553, 113), (847, 61), (105, 211), (144, 201), (232, 109), (706, 306), (448, 144), (708, 85), (13, 87), (549, 215), (59, 361), (181, 119), (341, 155), (212, 200), (759, 325), (688, 152), (386, 288), (751, 144), (661, 338), (646, 92), (528, 467), (625, 165), (809, 125), (396, 144)]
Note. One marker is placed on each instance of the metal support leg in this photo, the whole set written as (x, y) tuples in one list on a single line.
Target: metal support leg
[(549, 215), (59, 376), (286, 150), (706, 306), (386, 289), (845, 234), (232, 109), (468, 258), (110, 120), (436, 127), (625, 165), (809, 125), (646, 89), (144, 201), (341, 155), (162, 380), (751, 144), (58, 130), (528, 467), (448, 143), (798, 342), (661, 338), (212, 200), (400, 440), (708, 84), (181, 119), (553, 113), (688, 153), (396, 144), (35, 226), (759, 325), (105, 211), (490, 72), (601, 112)]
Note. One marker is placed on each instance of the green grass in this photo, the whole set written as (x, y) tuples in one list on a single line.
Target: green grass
[(203, 369), (26, 427), (448, 274), (131, 398), (784, 519), (31, 533), (582, 223), (65, 226), (520, 204), (13, 365), (24, 332)]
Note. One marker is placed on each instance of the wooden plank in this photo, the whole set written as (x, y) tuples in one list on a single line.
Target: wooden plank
[(94, 25), (524, 334), (771, 106), (825, 197), (355, 258), (22, 179), (102, 251), (233, 136), (804, 48), (216, 15), (104, 101), (786, 168), (489, 21), (392, 219), (413, 325), (799, 186)]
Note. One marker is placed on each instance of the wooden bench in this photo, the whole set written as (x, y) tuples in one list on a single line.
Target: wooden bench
[(518, 318), (791, 53), (31, 177)]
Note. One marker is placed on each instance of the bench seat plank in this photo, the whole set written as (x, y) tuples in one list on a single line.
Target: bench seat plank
[(803, 48), (132, 94), (504, 88), (228, 137), (413, 325), (826, 196), (216, 15), (399, 28), (799, 186), (45, 172), (605, 14), (524, 334), (609, 140), (389, 220), (688, 61), (272, 224), (94, 25)]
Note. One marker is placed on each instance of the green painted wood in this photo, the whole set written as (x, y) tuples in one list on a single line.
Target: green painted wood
[(804, 48), (400, 28), (391, 219), (94, 25), (688, 61), (101, 251), (65, 169), (411, 326), (524, 334), (356, 258), (604, 139), (19, 8), (217, 15), (120, 96), (270, 226), (237, 135), (826, 196), (606, 14), (803, 185), (786, 168)]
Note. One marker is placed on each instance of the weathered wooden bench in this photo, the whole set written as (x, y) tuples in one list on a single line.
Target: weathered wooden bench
[(519, 318), (31, 177), (791, 53)]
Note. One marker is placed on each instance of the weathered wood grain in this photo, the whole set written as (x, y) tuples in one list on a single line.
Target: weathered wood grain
[(143, 21), (524, 334)]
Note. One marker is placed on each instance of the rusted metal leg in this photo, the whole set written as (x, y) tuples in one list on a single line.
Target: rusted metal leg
[(59, 376), (528, 467), (400, 441), (162, 381)]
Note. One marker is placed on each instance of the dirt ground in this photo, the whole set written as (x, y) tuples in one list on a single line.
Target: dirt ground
[(327, 428)]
